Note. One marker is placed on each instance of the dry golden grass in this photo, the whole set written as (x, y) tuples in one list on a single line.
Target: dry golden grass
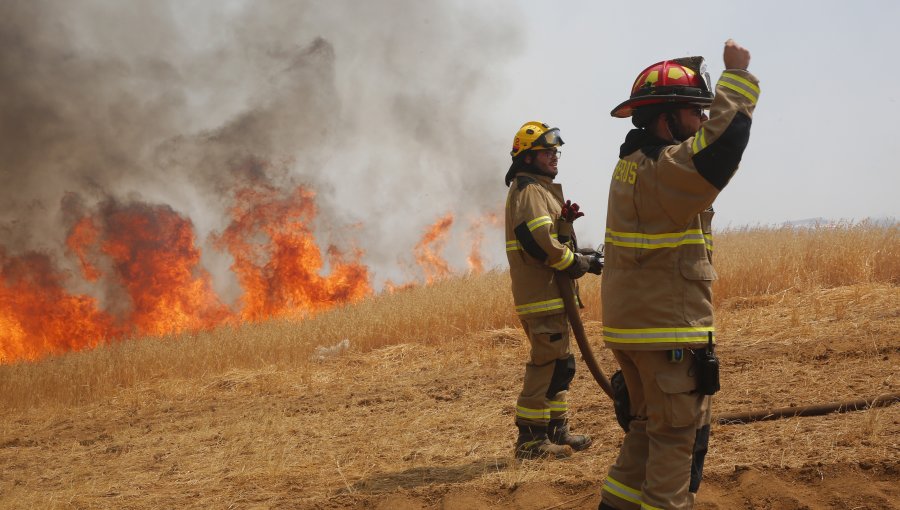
[(418, 411), (760, 261), (754, 264)]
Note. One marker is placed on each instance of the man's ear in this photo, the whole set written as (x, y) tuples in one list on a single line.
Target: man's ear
[(528, 158)]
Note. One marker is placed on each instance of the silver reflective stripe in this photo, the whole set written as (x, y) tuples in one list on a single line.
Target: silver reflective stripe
[(699, 141), (654, 241), (540, 306), (657, 335), (538, 222), (516, 245), (533, 414), (558, 406), (564, 262), (621, 490), (740, 85)]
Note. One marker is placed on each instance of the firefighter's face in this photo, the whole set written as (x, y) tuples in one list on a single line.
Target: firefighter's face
[(546, 161), (690, 118)]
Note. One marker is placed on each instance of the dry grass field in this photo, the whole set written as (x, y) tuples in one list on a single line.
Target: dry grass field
[(417, 411)]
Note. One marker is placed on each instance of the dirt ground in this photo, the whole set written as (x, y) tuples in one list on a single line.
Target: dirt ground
[(413, 426)]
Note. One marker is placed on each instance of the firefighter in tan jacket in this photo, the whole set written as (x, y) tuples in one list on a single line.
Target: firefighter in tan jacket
[(539, 242), (657, 284)]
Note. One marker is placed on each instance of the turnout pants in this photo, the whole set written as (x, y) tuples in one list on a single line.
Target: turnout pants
[(660, 463), (550, 369)]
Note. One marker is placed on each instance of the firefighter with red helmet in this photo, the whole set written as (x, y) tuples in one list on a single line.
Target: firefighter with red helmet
[(539, 242), (657, 283)]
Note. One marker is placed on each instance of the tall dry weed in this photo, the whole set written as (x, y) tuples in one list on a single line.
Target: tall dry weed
[(760, 261)]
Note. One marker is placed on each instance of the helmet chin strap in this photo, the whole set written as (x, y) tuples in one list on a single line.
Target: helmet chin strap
[(674, 131)]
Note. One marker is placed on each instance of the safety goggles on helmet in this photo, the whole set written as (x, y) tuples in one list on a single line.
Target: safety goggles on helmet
[(548, 140)]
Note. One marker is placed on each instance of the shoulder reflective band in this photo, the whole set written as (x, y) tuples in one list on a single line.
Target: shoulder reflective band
[(620, 490), (709, 243), (699, 141), (516, 245), (538, 222), (565, 261), (740, 85), (687, 335), (654, 241), (540, 306)]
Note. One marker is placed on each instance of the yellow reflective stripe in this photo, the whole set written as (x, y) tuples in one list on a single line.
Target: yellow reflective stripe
[(699, 141), (621, 490), (740, 79), (657, 335), (707, 238), (740, 85), (516, 245), (540, 306), (564, 262), (532, 414), (558, 406), (538, 222), (654, 241)]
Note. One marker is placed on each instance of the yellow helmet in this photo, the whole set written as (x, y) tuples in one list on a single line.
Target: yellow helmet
[(535, 135)]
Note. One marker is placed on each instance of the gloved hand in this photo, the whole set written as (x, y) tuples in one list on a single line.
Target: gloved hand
[(570, 211), (579, 266), (595, 259), (595, 264)]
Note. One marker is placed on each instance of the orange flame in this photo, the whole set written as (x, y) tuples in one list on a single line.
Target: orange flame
[(154, 258), (39, 317), (277, 260), (428, 251), (148, 254), (476, 233)]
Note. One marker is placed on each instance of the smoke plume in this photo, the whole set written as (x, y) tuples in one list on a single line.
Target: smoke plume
[(375, 106)]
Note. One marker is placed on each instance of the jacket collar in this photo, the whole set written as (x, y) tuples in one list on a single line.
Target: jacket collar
[(546, 182), (647, 142)]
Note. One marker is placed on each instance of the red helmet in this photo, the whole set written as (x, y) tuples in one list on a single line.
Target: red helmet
[(682, 80)]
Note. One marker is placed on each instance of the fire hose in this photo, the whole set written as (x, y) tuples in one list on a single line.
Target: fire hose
[(567, 292), (739, 418)]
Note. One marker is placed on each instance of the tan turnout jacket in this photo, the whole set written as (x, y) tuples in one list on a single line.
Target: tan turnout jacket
[(657, 281), (536, 246)]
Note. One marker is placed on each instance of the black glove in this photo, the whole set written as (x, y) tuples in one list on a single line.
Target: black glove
[(578, 267), (595, 264), (595, 259)]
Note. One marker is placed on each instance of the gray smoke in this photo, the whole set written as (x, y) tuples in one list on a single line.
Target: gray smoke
[(378, 106)]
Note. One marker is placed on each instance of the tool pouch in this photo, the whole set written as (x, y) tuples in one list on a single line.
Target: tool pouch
[(707, 367)]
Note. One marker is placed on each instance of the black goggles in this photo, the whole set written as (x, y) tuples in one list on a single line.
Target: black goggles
[(548, 139)]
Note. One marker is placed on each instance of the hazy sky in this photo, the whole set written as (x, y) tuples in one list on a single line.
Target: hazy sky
[(822, 142)]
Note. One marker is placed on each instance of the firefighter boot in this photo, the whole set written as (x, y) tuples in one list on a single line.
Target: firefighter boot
[(559, 434), (533, 443)]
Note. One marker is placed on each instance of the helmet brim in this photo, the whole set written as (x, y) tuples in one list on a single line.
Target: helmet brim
[(626, 108)]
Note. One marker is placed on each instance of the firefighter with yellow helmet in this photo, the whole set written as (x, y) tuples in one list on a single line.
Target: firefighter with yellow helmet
[(539, 242), (657, 283)]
